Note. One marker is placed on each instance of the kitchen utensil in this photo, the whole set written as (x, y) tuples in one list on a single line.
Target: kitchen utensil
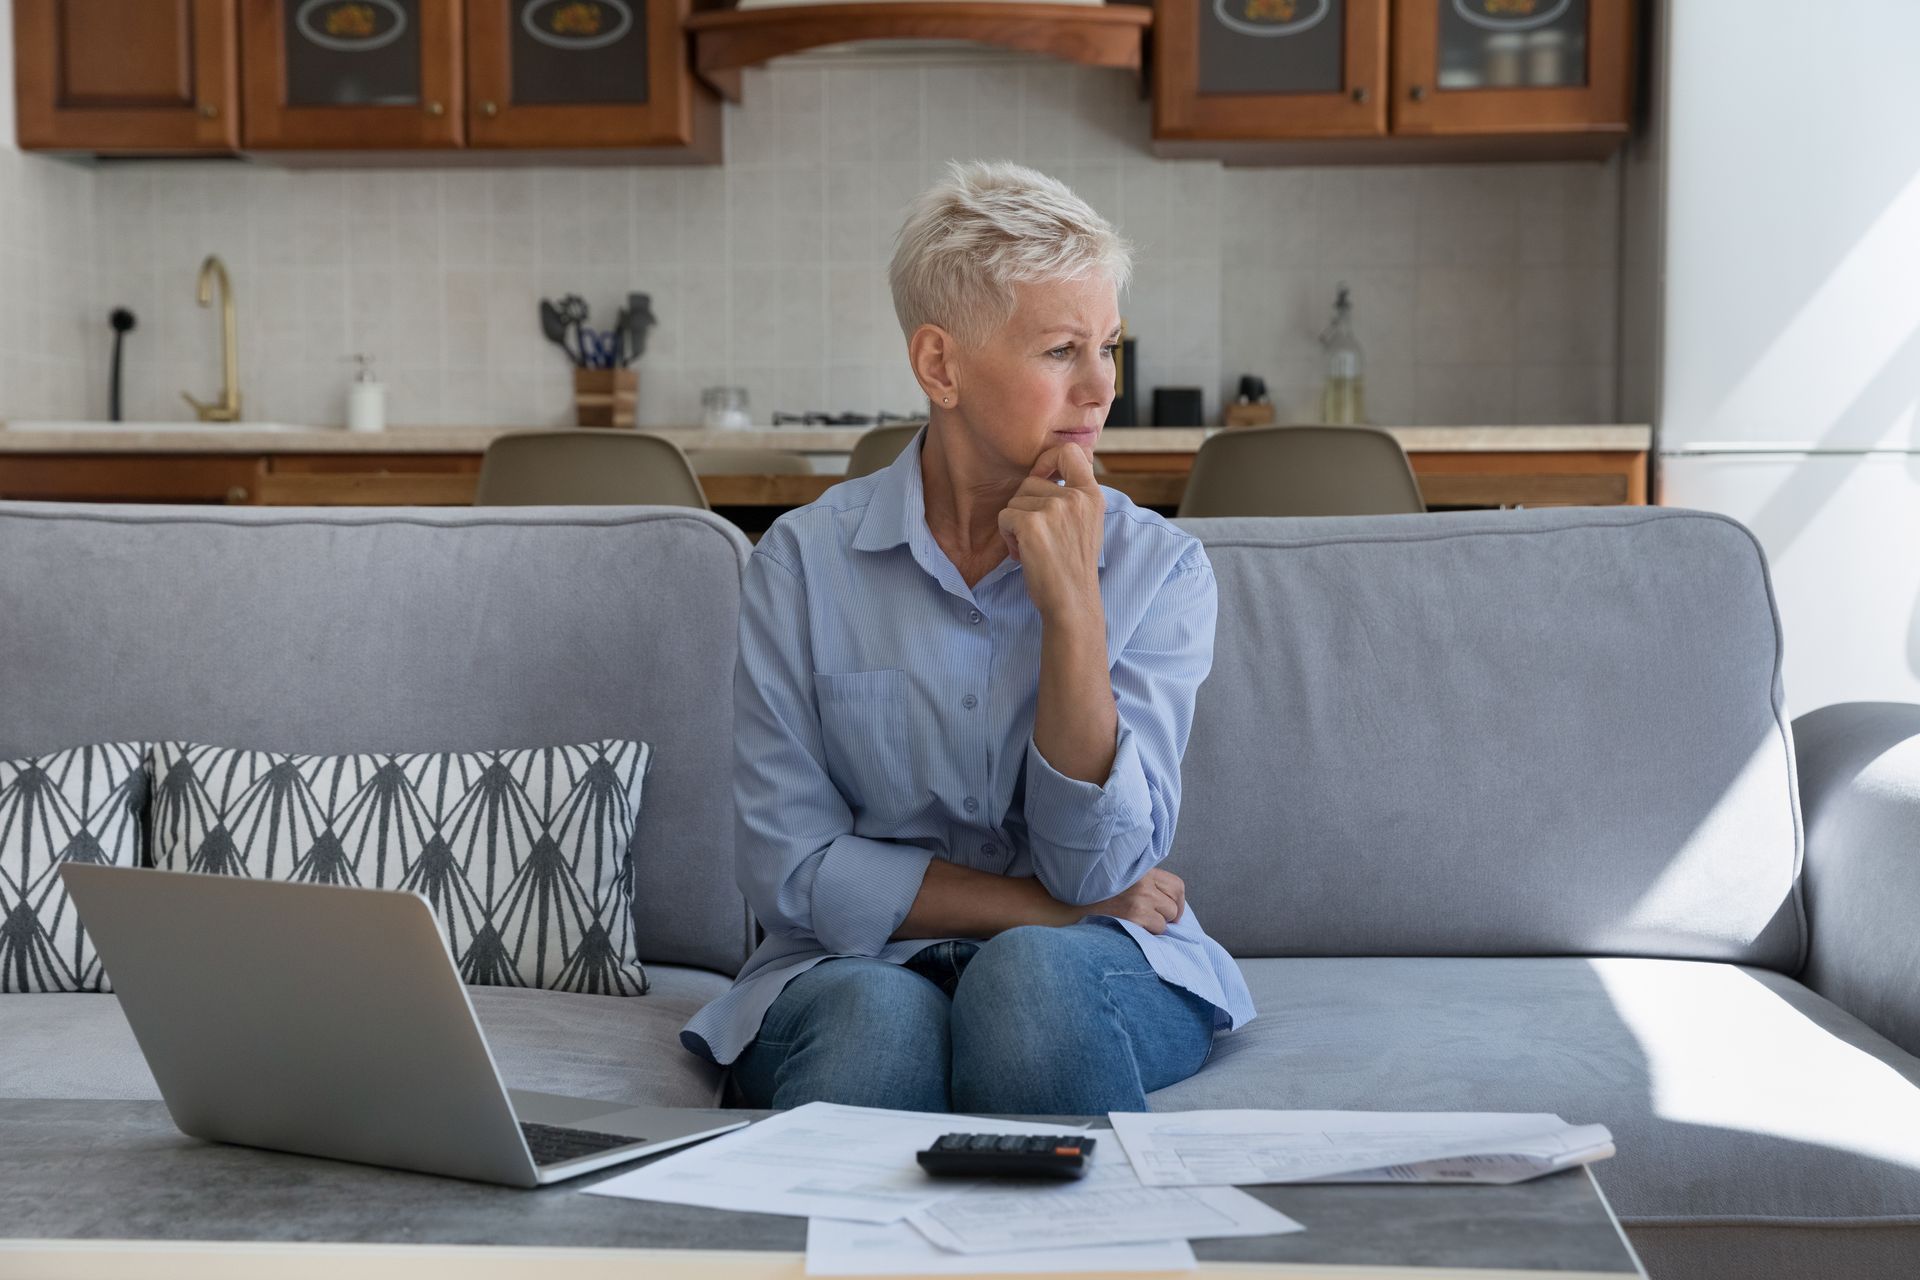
[(640, 318), (554, 325), (123, 322), (573, 314)]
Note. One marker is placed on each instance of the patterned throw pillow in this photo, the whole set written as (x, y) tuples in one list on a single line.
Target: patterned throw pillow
[(78, 805), (526, 856)]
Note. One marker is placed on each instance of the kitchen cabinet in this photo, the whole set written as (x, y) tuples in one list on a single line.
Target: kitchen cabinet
[(361, 75), (126, 76), (564, 74), (1391, 81), (1260, 69), (1512, 66)]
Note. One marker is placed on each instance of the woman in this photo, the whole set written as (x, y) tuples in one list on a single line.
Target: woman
[(965, 683)]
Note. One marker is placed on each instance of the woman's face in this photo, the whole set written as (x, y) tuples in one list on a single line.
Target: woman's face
[(1045, 378)]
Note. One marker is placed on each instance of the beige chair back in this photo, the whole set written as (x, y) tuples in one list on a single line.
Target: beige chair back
[(1301, 471), (586, 467), (879, 447), (748, 462)]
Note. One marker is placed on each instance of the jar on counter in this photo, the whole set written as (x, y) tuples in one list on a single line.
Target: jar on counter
[(724, 409)]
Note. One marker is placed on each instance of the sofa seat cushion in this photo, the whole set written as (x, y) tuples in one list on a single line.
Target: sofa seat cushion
[(620, 1048), (1730, 1091)]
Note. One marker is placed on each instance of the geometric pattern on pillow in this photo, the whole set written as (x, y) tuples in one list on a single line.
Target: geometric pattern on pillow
[(84, 804), (526, 856)]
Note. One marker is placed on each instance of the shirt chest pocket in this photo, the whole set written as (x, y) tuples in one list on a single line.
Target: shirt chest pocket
[(870, 750)]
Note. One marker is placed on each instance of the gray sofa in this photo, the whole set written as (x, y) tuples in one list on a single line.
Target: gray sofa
[(1499, 810)]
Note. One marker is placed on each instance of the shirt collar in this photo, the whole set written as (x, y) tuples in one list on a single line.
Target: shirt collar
[(897, 510)]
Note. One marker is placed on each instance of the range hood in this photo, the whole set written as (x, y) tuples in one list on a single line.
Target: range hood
[(1094, 34)]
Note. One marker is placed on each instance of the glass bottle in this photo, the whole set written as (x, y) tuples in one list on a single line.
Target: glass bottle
[(1341, 397)]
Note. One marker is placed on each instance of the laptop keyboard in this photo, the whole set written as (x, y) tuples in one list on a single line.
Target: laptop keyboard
[(552, 1144)]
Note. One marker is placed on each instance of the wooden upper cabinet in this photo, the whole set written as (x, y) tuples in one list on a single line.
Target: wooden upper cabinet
[(361, 75), (126, 76), (1512, 67), (573, 74), (1260, 69)]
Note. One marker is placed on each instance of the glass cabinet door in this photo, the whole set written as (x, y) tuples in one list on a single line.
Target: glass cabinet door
[(1505, 44), (583, 74), (1272, 46), (1512, 66), (352, 74), (352, 53), (1263, 69)]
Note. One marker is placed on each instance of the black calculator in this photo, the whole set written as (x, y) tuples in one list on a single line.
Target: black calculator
[(1007, 1155)]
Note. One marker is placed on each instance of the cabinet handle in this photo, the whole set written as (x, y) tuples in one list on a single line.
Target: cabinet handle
[(1360, 93), (238, 493), (1418, 93), (208, 110), (436, 109), (489, 109)]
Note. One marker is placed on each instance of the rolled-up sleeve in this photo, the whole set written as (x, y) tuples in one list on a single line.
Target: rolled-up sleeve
[(1091, 841), (800, 866)]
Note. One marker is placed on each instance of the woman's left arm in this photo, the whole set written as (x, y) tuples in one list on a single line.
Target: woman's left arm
[(1103, 764)]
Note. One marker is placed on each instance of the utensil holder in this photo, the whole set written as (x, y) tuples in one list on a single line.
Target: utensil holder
[(604, 397)]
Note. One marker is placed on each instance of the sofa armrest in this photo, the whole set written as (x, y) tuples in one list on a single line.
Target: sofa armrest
[(1859, 766)]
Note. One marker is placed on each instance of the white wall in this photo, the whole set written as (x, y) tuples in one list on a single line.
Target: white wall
[(1792, 292), (46, 325)]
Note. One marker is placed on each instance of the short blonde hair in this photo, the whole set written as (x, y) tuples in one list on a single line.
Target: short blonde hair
[(985, 226)]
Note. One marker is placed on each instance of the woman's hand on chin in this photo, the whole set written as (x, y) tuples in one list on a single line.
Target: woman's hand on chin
[(1157, 900), (1054, 531)]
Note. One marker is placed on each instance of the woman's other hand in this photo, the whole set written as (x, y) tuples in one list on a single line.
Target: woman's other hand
[(1157, 900), (1054, 530)]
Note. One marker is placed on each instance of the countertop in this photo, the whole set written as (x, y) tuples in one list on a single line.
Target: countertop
[(43, 437)]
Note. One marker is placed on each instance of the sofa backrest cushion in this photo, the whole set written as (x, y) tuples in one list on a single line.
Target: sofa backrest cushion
[(327, 631), (1493, 733)]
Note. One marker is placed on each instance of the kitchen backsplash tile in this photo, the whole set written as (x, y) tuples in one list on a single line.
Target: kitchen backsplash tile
[(1482, 293)]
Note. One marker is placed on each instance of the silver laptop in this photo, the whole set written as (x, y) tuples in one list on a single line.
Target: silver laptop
[(331, 1021)]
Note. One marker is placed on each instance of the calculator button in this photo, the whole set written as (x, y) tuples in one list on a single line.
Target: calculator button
[(1038, 1145), (981, 1142), (1010, 1142)]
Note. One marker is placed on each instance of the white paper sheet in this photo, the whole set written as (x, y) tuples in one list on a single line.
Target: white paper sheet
[(897, 1249), (817, 1161), (1107, 1207), (1489, 1170), (1246, 1148)]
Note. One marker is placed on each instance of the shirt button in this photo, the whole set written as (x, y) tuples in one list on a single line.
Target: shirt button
[(969, 702), (987, 850), (972, 804), (973, 616)]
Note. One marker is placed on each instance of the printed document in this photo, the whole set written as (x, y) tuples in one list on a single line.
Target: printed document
[(1106, 1207), (821, 1160), (1245, 1148)]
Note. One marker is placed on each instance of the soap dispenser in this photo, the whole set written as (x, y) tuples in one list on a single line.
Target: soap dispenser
[(367, 398)]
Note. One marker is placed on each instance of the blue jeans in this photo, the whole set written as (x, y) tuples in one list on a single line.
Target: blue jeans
[(1036, 1020)]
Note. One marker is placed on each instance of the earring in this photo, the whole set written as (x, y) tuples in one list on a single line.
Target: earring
[(946, 399)]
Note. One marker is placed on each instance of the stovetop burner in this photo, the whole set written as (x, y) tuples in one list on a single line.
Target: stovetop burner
[(819, 418)]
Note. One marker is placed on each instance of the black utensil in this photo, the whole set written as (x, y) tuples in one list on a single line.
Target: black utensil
[(123, 322), (573, 314), (552, 324), (639, 318)]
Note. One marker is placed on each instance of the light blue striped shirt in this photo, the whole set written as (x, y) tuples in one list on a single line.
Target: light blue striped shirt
[(883, 717)]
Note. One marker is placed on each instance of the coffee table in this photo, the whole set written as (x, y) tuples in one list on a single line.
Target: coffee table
[(84, 1180)]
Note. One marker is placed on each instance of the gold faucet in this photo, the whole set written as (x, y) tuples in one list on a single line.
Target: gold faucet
[(228, 407)]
